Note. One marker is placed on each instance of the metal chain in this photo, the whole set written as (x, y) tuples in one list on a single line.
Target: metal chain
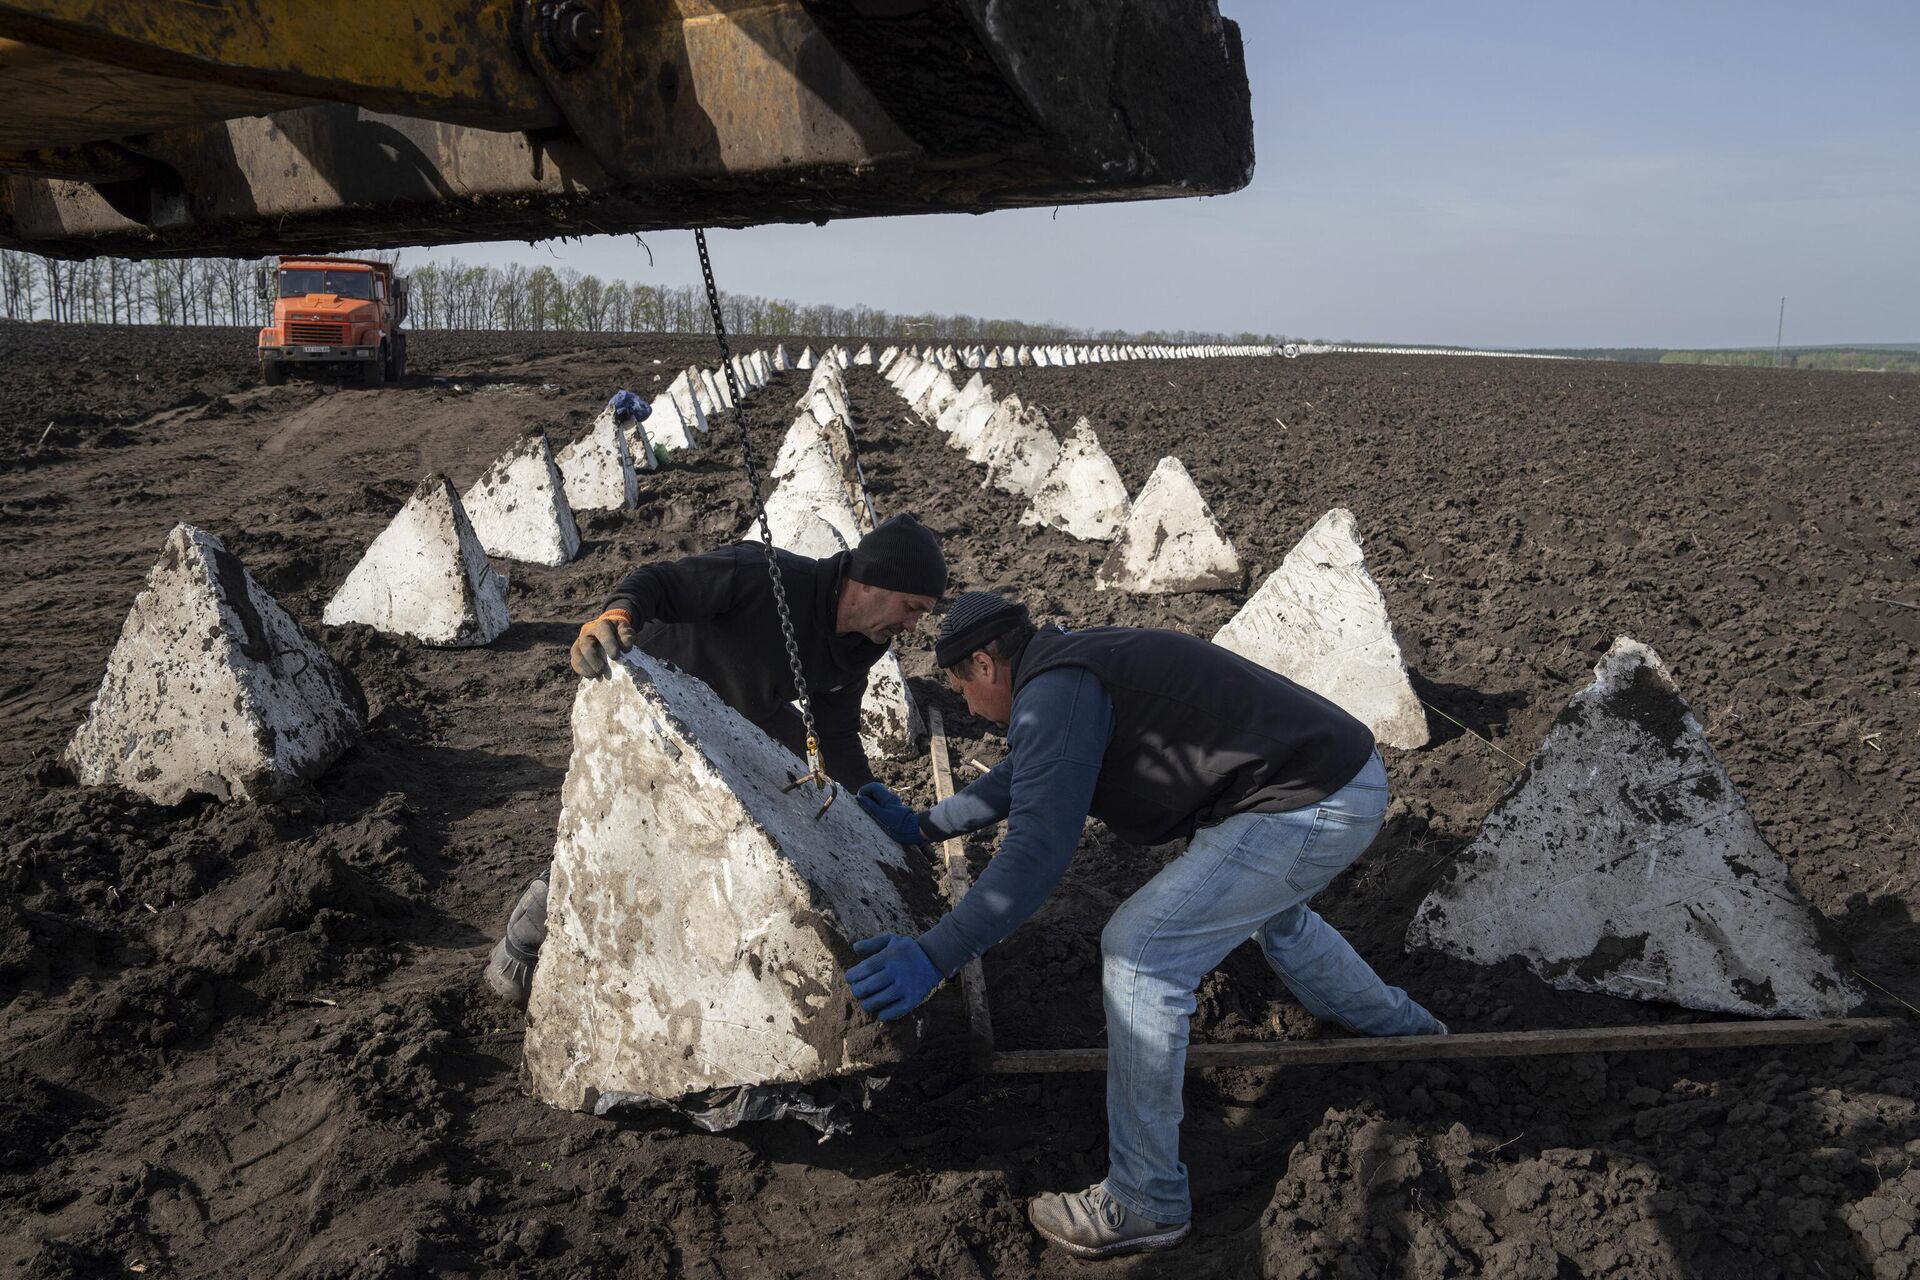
[(760, 509)]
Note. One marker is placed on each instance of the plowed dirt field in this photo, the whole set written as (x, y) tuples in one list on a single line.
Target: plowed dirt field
[(253, 1041)]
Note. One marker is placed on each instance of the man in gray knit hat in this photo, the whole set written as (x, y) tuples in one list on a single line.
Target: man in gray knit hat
[(713, 616), (1162, 737)]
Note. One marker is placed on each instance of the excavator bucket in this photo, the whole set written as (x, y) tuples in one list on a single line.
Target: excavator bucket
[(275, 126)]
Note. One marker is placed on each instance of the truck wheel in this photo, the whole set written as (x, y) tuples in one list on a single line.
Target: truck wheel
[(374, 371), (273, 373)]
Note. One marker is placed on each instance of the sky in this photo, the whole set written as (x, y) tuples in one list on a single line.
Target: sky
[(1497, 175)]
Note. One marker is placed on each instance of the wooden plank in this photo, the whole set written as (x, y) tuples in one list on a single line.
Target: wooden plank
[(1479, 1044), (973, 980)]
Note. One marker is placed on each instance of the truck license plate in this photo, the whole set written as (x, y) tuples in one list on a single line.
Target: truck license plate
[(316, 351)]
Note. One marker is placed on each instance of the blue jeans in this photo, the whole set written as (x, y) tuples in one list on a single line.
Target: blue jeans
[(1250, 875)]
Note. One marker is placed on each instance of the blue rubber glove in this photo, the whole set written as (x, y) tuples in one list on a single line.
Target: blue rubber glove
[(895, 816), (625, 404), (894, 978)]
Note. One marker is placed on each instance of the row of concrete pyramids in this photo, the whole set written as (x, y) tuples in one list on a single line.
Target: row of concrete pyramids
[(261, 706), (819, 507)]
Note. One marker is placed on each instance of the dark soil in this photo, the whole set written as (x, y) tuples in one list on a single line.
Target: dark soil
[(240, 1041)]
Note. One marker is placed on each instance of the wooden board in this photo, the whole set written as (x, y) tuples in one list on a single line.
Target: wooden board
[(973, 980), (1480, 1044)]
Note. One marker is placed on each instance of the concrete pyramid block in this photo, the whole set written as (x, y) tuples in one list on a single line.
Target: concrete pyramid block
[(1004, 419), (891, 725), (519, 507), (1022, 453), (639, 437), (598, 469), (950, 416), (938, 394), (780, 360), (1320, 620), (717, 393), (425, 576), (685, 394), (864, 355), (698, 920), (806, 359), (1624, 862), (1083, 494), (1171, 542), (212, 688), (669, 428), (806, 527)]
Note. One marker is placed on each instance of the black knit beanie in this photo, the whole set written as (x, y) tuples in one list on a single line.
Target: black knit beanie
[(901, 554), (975, 619)]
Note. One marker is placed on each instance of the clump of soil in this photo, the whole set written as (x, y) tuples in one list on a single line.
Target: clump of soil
[(253, 1039)]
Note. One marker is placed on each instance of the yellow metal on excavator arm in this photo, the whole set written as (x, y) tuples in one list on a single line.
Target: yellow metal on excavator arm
[(258, 126)]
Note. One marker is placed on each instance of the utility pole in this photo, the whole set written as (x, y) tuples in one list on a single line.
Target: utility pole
[(1780, 332)]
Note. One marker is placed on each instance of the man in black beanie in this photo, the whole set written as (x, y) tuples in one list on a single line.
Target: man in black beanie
[(713, 615), (1163, 737)]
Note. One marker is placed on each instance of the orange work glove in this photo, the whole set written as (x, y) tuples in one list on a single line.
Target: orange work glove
[(601, 641)]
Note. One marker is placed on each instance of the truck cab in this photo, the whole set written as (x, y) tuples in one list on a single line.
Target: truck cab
[(337, 316)]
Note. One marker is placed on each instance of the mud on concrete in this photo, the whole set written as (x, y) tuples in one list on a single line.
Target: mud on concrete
[(253, 1040)]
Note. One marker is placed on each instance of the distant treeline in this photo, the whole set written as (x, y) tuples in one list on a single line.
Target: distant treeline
[(457, 295), (1888, 358)]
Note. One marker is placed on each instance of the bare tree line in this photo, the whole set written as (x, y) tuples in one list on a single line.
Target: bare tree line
[(458, 295)]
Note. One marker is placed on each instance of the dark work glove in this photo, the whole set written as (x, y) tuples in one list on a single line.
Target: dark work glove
[(894, 978), (894, 815)]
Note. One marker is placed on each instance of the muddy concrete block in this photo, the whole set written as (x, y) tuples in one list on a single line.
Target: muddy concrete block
[(1171, 542), (1320, 620), (864, 355), (212, 688), (425, 576), (1021, 455), (598, 469), (1000, 423), (936, 396), (519, 507), (1624, 862), (891, 725), (968, 415), (699, 920), (806, 359), (1083, 494)]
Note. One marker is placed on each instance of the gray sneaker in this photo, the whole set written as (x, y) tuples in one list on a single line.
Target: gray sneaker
[(1092, 1224), (510, 967)]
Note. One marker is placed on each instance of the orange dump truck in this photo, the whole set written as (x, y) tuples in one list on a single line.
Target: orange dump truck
[(334, 315)]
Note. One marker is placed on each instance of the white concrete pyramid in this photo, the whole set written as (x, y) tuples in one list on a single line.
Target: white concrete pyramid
[(802, 526), (598, 469), (1624, 862), (684, 391), (780, 360), (1083, 494), (519, 507), (212, 688), (1171, 542), (1320, 620), (699, 920), (956, 409), (668, 427), (864, 355), (937, 395), (1019, 457), (806, 359), (639, 437), (425, 576), (1004, 419), (891, 725)]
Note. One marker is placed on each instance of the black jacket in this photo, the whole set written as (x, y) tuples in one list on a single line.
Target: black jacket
[(713, 616), (1199, 732)]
